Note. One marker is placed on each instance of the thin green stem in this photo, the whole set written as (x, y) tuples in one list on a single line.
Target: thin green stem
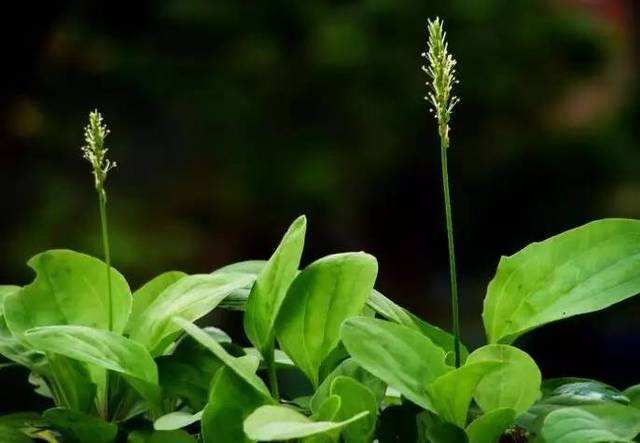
[(273, 376), (444, 146), (102, 200)]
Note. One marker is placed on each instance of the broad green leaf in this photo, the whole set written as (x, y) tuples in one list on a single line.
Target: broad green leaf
[(103, 349), (391, 311), (398, 355), (609, 422), (320, 298), (348, 368), (432, 429), (489, 427), (187, 373), (18, 351), (253, 267), (270, 288), (579, 391), (559, 393), (451, 393), (176, 420), (70, 383), (515, 385), (80, 427), (189, 298), (328, 411), (14, 427), (273, 423), (231, 401), (633, 394), (70, 288), (145, 295), (582, 270), (233, 363), (355, 398), (12, 435), (160, 437)]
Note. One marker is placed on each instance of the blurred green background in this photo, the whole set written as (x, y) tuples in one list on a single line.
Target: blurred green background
[(229, 118)]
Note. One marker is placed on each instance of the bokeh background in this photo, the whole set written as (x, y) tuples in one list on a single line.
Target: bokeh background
[(229, 118)]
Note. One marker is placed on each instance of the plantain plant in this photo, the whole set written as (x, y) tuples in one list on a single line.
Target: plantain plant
[(331, 358)]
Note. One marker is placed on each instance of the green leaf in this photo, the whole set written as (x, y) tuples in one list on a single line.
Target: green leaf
[(432, 429), (398, 355), (579, 271), (633, 394), (176, 420), (79, 427), (515, 385), (579, 391), (391, 311), (272, 423), (18, 351), (145, 295), (231, 362), (559, 393), (320, 298), (70, 383), (160, 437), (355, 398), (489, 427), (103, 349), (348, 368), (451, 393), (609, 422), (14, 427), (231, 400), (252, 267), (189, 298), (70, 288), (271, 287)]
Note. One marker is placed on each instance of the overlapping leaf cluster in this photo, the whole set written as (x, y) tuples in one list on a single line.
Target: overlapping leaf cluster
[(363, 356)]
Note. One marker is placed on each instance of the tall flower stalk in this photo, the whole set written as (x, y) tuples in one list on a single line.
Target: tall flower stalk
[(95, 152), (441, 70)]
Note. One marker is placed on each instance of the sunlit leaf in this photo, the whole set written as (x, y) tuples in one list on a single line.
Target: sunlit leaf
[(320, 298), (490, 426), (609, 422), (70, 288), (581, 270), (145, 295), (515, 385), (189, 298), (451, 393), (273, 423), (270, 288), (398, 355)]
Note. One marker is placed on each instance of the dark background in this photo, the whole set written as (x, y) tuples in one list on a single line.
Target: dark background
[(229, 118)]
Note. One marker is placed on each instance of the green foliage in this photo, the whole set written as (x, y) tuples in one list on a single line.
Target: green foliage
[(333, 288), (78, 427), (270, 288), (592, 424), (401, 357), (274, 423), (116, 364), (582, 270), (190, 298), (70, 288), (515, 385)]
